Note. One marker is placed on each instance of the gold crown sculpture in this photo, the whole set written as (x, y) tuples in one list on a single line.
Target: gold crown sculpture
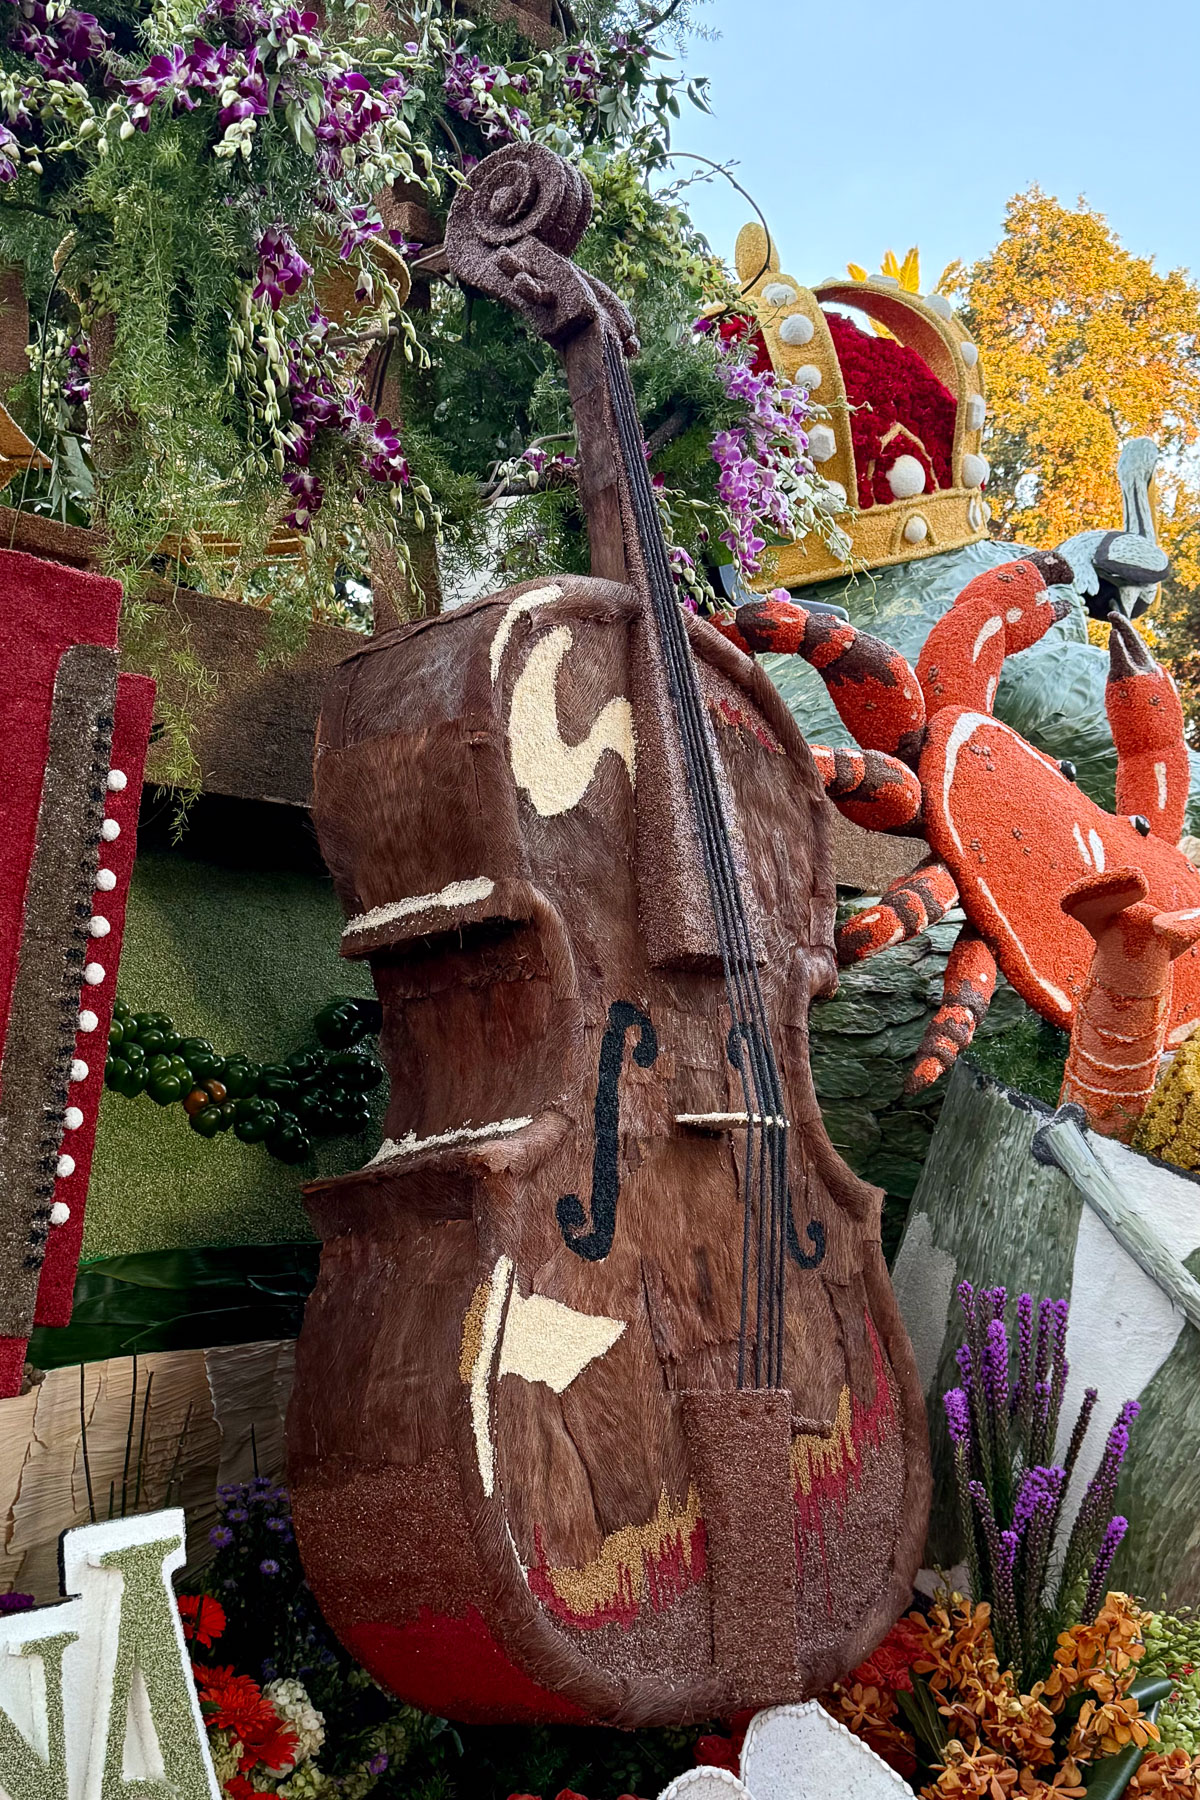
[(800, 345)]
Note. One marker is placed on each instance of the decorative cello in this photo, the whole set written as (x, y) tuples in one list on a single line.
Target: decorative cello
[(603, 1408)]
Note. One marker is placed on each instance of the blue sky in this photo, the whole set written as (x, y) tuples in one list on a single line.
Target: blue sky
[(876, 125)]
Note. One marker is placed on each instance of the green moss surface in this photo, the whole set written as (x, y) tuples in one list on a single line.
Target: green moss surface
[(244, 956)]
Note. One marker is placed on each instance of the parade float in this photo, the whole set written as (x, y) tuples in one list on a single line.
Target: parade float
[(556, 944)]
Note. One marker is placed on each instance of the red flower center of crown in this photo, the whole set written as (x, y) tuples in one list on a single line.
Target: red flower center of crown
[(899, 408)]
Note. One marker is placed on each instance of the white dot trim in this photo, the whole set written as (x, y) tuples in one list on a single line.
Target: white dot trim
[(88, 1020), (99, 926), (60, 1212), (110, 831), (94, 974), (797, 328), (106, 881), (72, 1118), (64, 1166), (117, 781), (79, 1070)]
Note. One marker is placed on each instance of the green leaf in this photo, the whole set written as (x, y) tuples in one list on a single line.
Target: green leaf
[(181, 1300), (1108, 1778)]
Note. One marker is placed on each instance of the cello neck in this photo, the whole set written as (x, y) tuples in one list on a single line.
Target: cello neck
[(510, 233)]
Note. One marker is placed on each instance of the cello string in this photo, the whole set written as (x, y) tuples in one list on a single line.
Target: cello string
[(771, 1243), (764, 1103)]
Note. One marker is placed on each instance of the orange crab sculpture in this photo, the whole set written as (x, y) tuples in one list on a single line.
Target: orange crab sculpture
[(1009, 831)]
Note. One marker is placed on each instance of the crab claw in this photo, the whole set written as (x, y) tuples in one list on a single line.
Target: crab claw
[(1000, 612), (872, 685), (1121, 1021), (1144, 712)]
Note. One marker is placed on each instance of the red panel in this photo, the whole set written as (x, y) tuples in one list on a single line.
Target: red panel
[(455, 1668), (44, 608)]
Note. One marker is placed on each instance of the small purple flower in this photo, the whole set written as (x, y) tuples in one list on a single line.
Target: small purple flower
[(10, 155), (252, 95), (238, 1514), (281, 268), (16, 1603), (268, 1566), (378, 1763), (221, 1536)]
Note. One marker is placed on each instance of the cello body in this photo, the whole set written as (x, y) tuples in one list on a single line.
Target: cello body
[(603, 1408), (524, 1484)]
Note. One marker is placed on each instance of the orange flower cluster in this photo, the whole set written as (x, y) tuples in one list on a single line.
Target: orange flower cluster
[(1001, 1744)]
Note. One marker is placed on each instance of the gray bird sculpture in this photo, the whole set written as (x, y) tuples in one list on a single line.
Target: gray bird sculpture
[(1122, 569)]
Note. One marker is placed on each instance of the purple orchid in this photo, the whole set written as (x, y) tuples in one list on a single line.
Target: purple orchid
[(281, 268)]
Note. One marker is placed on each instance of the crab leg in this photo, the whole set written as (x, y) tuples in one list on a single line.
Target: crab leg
[(872, 686), (905, 909), (970, 982), (1146, 717), (998, 613), (1121, 1020), (871, 788)]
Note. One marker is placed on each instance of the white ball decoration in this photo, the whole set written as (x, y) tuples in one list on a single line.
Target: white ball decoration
[(970, 353), (906, 478), (916, 530), (975, 469), (72, 1118), (64, 1166), (117, 782), (98, 926), (60, 1212), (822, 443), (976, 412), (88, 1020), (939, 304), (797, 328), (106, 881), (779, 293), (79, 1069), (888, 280), (807, 376), (836, 493), (110, 831), (94, 974)]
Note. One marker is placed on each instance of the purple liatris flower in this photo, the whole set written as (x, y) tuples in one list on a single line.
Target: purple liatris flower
[(1098, 1580), (995, 1366), (958, 1415)]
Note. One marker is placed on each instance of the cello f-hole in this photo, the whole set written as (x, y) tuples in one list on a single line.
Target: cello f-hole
[(594, 1245)]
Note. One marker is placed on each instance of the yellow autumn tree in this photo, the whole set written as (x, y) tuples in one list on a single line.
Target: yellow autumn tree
[(1082, 346)]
